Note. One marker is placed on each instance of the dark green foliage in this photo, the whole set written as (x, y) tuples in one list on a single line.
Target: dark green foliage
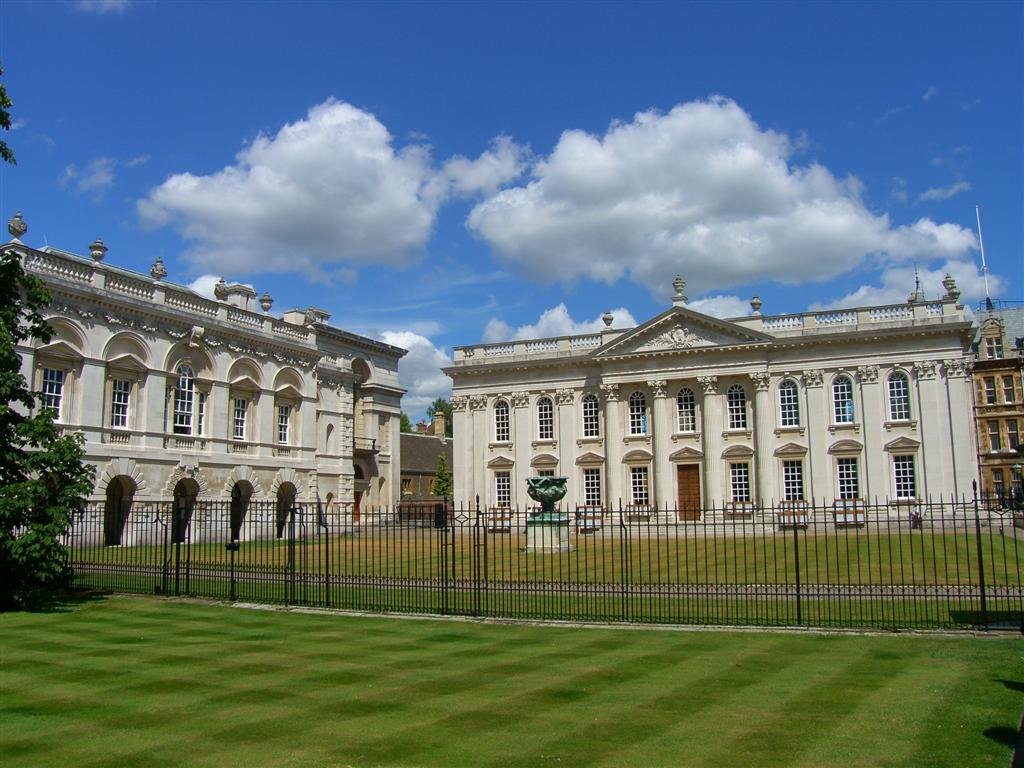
[(42, 477), (442, 485), (442, 406), (5, 122), (405, 425)]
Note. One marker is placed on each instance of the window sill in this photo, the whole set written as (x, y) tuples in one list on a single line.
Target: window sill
[(581, 441), (797, 430), (636, 438), (850, 427), (500, 444), (544, 443), (737, 433), (688, 436), (905, 423)]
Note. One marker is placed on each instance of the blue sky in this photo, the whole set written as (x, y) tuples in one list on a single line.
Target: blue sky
[(442, 174)]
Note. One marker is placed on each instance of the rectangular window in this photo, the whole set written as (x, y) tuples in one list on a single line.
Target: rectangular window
[(842, 400), (789, 405), (545, 419), (995, 445), (545, 473), (53, 389), (638, 486), (1008, 393), (201, 413), (848, 478), (406, 486), (903, 472), (120, 392), (998, 484), (502, 489), (793, 480), (238, 422), (284, 413), (739, 481), (994, 348), (686, 411), (590, 417), (990, 390), (592, 487), (1012, 435)]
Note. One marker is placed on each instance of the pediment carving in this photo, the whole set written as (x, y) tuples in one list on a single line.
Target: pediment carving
[(791, 449), (902, 444), (590, 457), (544, 460), (737, 452), (846, 446), (500, 462), (684, 454)]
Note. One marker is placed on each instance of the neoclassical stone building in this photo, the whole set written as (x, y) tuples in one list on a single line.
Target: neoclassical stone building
[(181, 397), (687, 411)]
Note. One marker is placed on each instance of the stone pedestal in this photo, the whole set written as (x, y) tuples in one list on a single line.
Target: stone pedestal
[(547, 534)]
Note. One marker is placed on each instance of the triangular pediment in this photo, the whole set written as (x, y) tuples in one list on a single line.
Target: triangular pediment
[(590, 457), (902, 444), (127, 362), (791, 449), (59, 348), (681, 330), (500, 462), (686, 453)]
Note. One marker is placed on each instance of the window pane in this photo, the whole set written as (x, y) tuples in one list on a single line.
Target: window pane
[(739, 481), (789, 404), (545, 419), (637, 414), (903, 469), (592, 487), (793, 480), (590, 417), (638, 485), (501, 424), (737, 400), (238, 428), (1008, 393), (1012, 436), (53, 389), (849, 483), (899, 397), (120, 391), (995, 444), (686, 411), (842, 400), (184, 394), (502, 489), (990, 390), (284, 413)]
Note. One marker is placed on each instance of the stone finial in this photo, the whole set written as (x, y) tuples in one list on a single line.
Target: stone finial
[(608, 318), (266, 302), (755, 304), (158, 271), (220, 290), (952, 292), (678, 298), (917, 295), (17, 226), (97, 249)]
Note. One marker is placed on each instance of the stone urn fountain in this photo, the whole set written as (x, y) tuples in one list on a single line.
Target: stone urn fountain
[(547, 530)]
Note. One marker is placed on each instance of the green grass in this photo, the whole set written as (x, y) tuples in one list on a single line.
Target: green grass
[(143, 682)]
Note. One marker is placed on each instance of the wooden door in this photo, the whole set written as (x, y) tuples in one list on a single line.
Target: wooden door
[(355, 506), (688, 481)]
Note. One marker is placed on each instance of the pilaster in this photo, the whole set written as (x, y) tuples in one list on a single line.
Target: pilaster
[(711, 430), (662, 425), (612, 444), (764, 425)]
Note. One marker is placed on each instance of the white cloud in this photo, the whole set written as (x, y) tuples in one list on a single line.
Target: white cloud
[(102, 6), (897, 282), (505, 161), (700, 190), (419, 372), (327, 188), (204, 285), (95, 178), (898, 193), (930, 93), (554, 322), (944, 193), (721, 306)]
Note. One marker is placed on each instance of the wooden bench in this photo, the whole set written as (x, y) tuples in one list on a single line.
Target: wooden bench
[(589, 519), (848, 512), (499, 519), (793, 514)]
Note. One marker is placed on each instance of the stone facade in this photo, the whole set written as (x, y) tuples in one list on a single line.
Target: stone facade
[(687, 411), (179, 396)]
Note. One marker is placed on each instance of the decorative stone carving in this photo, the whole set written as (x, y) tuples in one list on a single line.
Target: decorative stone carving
[(868, 374), (158, 271), (459, 402), (183, 471), (127, 322), (678, 286), (760, 379), (924, 369), (17, 226), (756, 304), (610, 392), (520, 399), (195, 335), (220, 290), (478, 402), (958, 366), (565, 396), (97, 249), (812, 377), (677, 337), (658, 387), (266, 302), (709, 383)]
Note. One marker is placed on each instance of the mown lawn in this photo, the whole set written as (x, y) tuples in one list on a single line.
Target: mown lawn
[(144, 682)]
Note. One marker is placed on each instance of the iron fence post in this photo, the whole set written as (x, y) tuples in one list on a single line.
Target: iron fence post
[(796, 566), (981, 562), (176, 540), (289, 590)]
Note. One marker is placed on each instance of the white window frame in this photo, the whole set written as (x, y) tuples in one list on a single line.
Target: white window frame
[(686, 411), (239, 418), (899, 396), (789, 403), (990, 390), (120, 403), (184, 400), (503, 489), (904, 475), (994, 348), (592, 486), (283, 431), (637, 414), (736, 403), (502, 422), (739, 481), (848, 477), (590, 409), (995, 441), (545, 419), (640, 486), (844, 410), (1012, 435), (1009, 390), (52, 387), (793, 480)]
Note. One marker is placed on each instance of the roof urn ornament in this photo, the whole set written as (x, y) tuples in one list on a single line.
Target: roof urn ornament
[(266, 302), (97, 249), (17, 226), (952, 292), (755, 304), (608, 318), (678, 298), (158, 271), (917, 295), (220, 290)]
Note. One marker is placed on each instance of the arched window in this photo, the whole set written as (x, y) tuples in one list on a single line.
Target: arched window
[(842, 400), (637, 414), (184, 400), (591, 426), (501, 427), (789, 404), (736, 398), (686, 411), (899, 397), (545, 419)]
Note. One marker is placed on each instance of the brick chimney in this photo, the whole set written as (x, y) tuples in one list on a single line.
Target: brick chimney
[(437, 425)]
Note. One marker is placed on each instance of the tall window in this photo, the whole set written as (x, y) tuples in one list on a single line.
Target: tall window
[(284, 416), (501, 426), (789, 404), (1012, 435), (848, 478), (994, 443), (842, 400), (736, 398), (638, 486), (184, 399), (739, 481), (592, 487), (990, 390), (53, 389), (1008, 393), (998, 484), (686, 411), (899, 397), (637, 414), (120, 394), (200, 412), (793, 480), (994, 348), (238, 421), (545, 419), (591, 427), (903, 475), (502, 489)]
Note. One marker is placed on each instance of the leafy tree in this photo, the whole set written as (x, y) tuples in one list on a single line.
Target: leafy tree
[(442, 406), (43, 479), (442, 479), (404, 424), (5, 122)]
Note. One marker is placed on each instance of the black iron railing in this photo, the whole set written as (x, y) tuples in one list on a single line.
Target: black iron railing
[(849, 564)]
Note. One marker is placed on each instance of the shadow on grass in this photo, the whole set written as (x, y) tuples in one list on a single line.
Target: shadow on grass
[(66, 600), (995, 619), (1013, 685)]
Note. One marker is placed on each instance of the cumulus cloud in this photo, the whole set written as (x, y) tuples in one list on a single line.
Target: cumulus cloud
[(930, 93), (505, 161), (897, 282), (554, 322), (419, 372), (944, 193), (96, 178), (204, 285), (102, 6), (721, 306), (700, 190)]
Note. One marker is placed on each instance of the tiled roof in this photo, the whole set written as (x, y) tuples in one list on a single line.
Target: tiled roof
[(420, 452)]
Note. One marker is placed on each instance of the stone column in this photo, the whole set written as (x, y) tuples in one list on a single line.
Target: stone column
[(959, 394), (524, 431), (612, 446), (711, 429), (480, 431), (818, 484), (462, 459), (764, 426), (875, 481), (266, 422), (662, 424), (566, 402), (932, 458)]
